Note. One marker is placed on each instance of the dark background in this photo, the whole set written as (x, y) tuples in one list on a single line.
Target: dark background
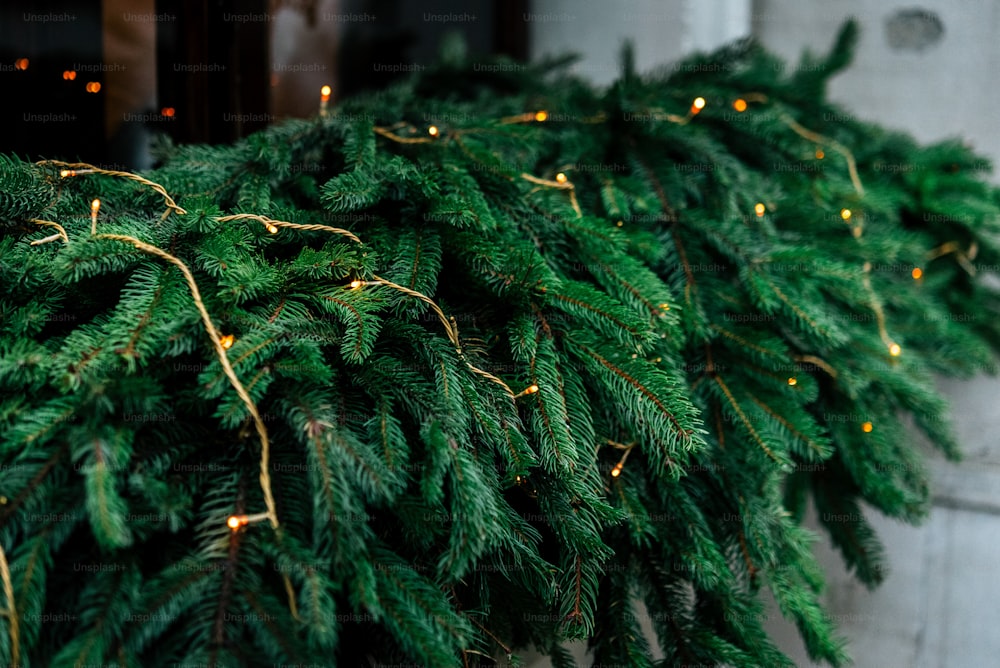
[(213, 74)]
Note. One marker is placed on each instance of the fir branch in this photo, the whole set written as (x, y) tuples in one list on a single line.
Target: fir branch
[(363, 395), (361, 338), (576, 615), (226, 588), (744, 419), (594, 309), (9, 508), (646, 392), (789, 426), (746, 344), (265, 476), (751, 568)]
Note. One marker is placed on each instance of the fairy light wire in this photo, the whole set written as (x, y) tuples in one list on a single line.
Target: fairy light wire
[(11, 611), (76, 168)]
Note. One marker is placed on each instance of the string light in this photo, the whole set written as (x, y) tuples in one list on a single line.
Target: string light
[(846, 214), (820, 154), (740, 105), (665, 306), (561, 178), (620, 223), (69, 75), (617, 470), (917, 273), (541, 116), (95, 206), (433, 131), (895, 350), (273, 229), (93, 87), (169, 112), (792, 381), (74, 172), (867, 427), (759, 209), (234, 522), (355, 284), (21, 64), (324, 99), (531, 389), (227, 341), (47, 240), (697, 105), (265, 480)]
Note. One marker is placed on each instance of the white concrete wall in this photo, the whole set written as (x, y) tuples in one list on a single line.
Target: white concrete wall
[(946, 88), (662, 30)]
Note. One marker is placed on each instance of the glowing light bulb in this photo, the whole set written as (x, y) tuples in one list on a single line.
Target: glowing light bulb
[(355, 284), (665, 306), (531, 389), (324, 99), (895, 350), (21, 64), (699, 103), (740, 105), (820, 154), (169, 112), (93, 87), (236, 521), (759, 209), (793, 382), (620, 223), (66, 172), (561, 178), (541, 116), (69, 75), (227, 341), (867, 427), (917, 273), (846, 214), (617, 470), (273, 229), (433, 131), (95, 206)]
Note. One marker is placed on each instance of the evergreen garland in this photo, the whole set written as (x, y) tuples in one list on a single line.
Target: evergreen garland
[(443, 395)]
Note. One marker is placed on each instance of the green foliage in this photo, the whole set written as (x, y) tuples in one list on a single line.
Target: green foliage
[(703, 373)]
